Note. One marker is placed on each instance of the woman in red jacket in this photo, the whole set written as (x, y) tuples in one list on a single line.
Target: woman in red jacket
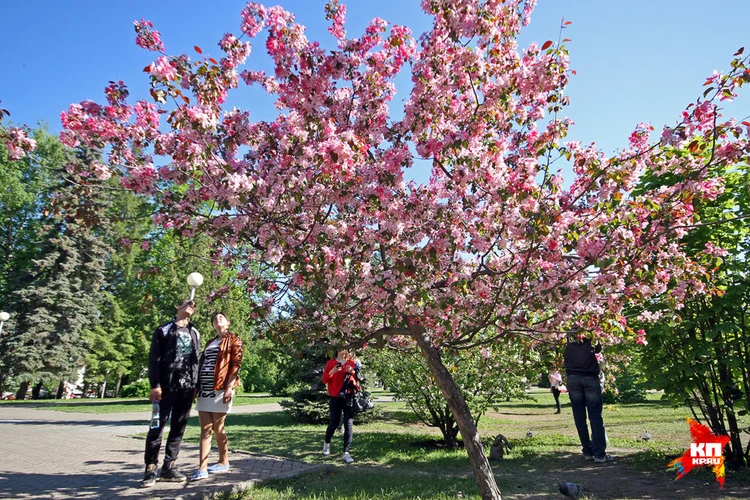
[(219, 366), (340, 375)]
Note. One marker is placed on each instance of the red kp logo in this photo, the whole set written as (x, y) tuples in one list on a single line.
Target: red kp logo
[(706, 449)]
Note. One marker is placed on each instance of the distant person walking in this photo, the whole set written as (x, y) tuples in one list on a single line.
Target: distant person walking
[(582, 371), (340, 376), (219, 366), (555, 382), (173, 374)]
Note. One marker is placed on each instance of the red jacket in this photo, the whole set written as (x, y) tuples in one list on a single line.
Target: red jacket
[(335, 382)]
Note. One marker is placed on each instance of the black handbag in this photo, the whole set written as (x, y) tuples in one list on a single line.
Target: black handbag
[(362, 401)]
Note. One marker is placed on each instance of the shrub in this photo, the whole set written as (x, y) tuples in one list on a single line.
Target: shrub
[(629, 387), (309, 403), (483, 380), (138, 389)]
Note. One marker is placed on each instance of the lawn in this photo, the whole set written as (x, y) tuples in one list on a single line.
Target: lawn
[(389, 466), (121, 405)]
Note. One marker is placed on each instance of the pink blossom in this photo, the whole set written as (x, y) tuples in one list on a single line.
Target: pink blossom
[(18, 143), (716, 251), (147, 37), (320, 197), (640, 338), (337, 13), (101, 171), (162, 69), (253, 16)]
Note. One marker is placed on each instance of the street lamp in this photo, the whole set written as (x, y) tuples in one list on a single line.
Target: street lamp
[(194, 280), (4, 316)]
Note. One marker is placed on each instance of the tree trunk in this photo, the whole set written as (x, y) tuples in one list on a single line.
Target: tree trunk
[(474, 448), (118, 387), (104, 388), (22, 390), (736, 456), (36, 390), (60, 390)]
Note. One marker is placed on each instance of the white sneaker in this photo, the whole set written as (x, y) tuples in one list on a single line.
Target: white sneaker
[(326, 449), (347, 458)]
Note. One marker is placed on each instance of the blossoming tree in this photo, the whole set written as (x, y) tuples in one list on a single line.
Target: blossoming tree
[(16, 139), (494, 243)]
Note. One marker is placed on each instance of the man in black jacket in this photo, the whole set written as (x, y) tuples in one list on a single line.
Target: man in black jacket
[(173, 374), (585, 393)]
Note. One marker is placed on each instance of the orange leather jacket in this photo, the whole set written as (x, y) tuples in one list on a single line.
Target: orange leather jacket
[(227, 362)]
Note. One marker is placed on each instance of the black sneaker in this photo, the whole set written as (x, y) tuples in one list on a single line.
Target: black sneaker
[(172, 475), (149, 477)]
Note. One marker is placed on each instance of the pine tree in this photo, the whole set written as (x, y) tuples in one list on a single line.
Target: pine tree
[(58, 297), (22, 199)]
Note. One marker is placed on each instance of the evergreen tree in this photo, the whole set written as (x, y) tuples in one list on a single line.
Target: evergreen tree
[(26, 183), (25, 188), (309, 398), (58, 297)]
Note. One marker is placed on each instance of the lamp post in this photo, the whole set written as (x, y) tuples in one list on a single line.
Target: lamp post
[(194, 280), (4, 316)]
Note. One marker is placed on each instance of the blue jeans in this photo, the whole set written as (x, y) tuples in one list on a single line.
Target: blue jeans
[(586, 396)]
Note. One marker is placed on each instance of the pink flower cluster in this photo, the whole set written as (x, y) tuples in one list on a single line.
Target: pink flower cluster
[(493, 241), (162, 69), (337, 14), (147, 37), (17, 141)]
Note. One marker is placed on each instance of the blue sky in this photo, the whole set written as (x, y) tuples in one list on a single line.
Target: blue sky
[(636, 60)]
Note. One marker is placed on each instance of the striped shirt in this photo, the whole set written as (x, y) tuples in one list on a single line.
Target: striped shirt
[(207, 370)]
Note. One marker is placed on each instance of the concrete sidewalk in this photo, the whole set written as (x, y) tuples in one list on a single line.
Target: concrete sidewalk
[(52, 454)]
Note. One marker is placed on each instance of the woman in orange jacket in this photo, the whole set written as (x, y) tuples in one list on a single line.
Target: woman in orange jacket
[(340, 375), (218, 369)]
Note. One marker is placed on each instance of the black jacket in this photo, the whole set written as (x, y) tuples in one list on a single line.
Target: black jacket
[(161, 359), (580, 357)]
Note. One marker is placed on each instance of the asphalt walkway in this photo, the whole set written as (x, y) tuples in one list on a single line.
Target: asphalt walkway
[(53, 454)]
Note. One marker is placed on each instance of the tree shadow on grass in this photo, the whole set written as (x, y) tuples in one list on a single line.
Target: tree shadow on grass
[(518, 478), (79, 404), (87, 422)]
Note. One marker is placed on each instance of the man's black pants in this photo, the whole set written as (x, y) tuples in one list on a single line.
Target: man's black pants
[(179, 403)]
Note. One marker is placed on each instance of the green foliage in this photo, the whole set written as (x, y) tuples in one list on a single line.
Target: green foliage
[(309, 400), (88, 278), (389, 465), (702, 359), (146, 278), (138, 389), (59, 295), (629, 387), (483, 380), (309, 396), (25, 190), (263, 367)]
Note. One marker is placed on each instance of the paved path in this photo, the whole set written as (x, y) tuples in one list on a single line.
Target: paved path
[(53, 454)]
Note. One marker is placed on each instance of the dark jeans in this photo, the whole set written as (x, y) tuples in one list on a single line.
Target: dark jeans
[(336, 407), (586, 396), (179, 403), (556, 394)]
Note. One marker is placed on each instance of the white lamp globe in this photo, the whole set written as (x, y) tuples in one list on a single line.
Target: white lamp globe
[(195, 279), (4, 316)]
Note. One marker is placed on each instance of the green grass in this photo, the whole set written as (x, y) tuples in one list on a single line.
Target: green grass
[(97, 406), (122, 405), (388, 466)]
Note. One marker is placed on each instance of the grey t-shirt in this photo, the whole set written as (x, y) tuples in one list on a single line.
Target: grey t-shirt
[(182, 372)]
